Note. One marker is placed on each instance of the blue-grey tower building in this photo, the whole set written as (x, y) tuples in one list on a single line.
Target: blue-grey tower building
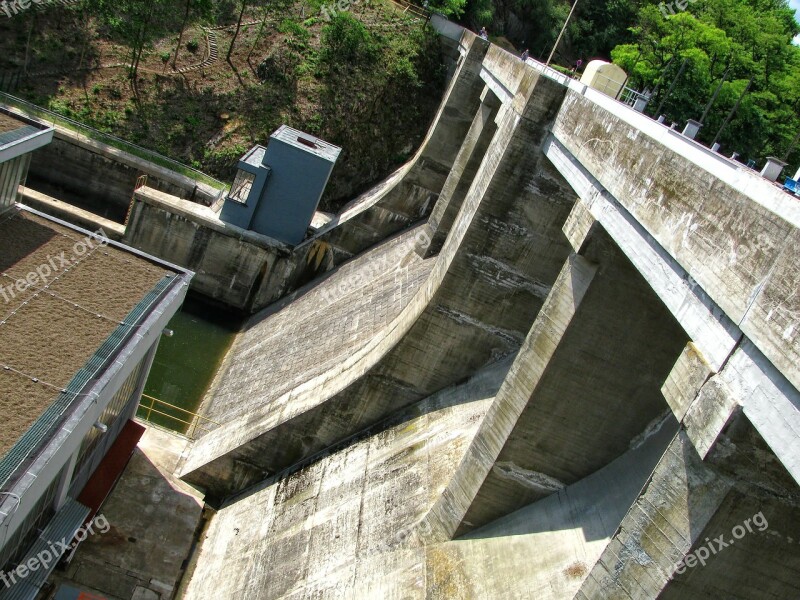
[(277, 189)]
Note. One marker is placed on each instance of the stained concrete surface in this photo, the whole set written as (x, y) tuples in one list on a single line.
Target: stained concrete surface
[(279, 351), (545, 550), (153, 517), (343, 526), (346, 526)]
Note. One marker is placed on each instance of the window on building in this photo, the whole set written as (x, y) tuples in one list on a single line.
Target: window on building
[(15, 548), (240, 189), (95, 444)]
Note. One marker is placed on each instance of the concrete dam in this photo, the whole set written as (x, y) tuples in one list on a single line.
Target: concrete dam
[(575, 377), (556, 355)]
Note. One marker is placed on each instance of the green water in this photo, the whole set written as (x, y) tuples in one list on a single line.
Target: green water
[(185, 364)]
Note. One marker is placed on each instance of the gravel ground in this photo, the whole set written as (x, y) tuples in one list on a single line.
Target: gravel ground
[(9, 124), (50, 330)]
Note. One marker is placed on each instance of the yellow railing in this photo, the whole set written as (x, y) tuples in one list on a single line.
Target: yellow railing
[(141, 181), (409, 7), (194, 423)]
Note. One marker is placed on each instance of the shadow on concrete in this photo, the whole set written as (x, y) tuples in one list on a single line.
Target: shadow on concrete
[(153, 520), (595, 504), (484, 384)]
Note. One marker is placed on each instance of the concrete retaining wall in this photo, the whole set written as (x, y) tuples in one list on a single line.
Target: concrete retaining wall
[(734, 233), (101, 178)]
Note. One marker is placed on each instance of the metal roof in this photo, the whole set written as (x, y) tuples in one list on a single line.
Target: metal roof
[(307, 142)]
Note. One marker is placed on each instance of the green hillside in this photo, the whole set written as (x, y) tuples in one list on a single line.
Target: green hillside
[(203, 80)]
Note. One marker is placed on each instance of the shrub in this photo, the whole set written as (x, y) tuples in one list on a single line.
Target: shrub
[(345, 39), (280, 67)]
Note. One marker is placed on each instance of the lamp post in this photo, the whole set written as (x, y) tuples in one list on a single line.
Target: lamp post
[(733, 110), (561, 33)]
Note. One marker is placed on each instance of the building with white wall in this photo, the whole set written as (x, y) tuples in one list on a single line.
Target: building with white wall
[(80, 321)]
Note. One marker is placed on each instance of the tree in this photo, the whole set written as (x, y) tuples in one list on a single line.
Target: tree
[(236, 33), (203, 9), (134, 23), (726, 47)]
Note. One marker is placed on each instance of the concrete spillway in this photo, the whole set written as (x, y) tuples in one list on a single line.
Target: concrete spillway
[(563, 381), (345, 523)]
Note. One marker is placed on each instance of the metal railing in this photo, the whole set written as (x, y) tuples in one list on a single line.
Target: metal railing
[(410, 8), (189, 428), (549, 72), (106, 138), (633, 97)]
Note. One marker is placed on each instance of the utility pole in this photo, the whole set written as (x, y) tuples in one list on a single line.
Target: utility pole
[(561, 33), (791, 147), (714, 96)]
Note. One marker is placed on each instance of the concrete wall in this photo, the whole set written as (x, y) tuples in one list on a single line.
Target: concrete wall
[(689, 505), (102, 178), (230, 263), (341, 526), (733, 232), (574, 368), (715, 242)]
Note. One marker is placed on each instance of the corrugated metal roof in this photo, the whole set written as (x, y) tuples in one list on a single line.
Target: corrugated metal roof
[(17, 134), (307, 142)]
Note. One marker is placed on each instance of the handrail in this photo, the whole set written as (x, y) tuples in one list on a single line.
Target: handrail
[(415, 10), (111, 140), (193, 424)]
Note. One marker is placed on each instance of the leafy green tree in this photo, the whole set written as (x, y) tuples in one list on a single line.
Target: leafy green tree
[(345, 39), (729, 61), (451, 8)]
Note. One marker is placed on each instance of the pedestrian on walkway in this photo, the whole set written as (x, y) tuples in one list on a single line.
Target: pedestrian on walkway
[(484, 34), (525, 55)]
